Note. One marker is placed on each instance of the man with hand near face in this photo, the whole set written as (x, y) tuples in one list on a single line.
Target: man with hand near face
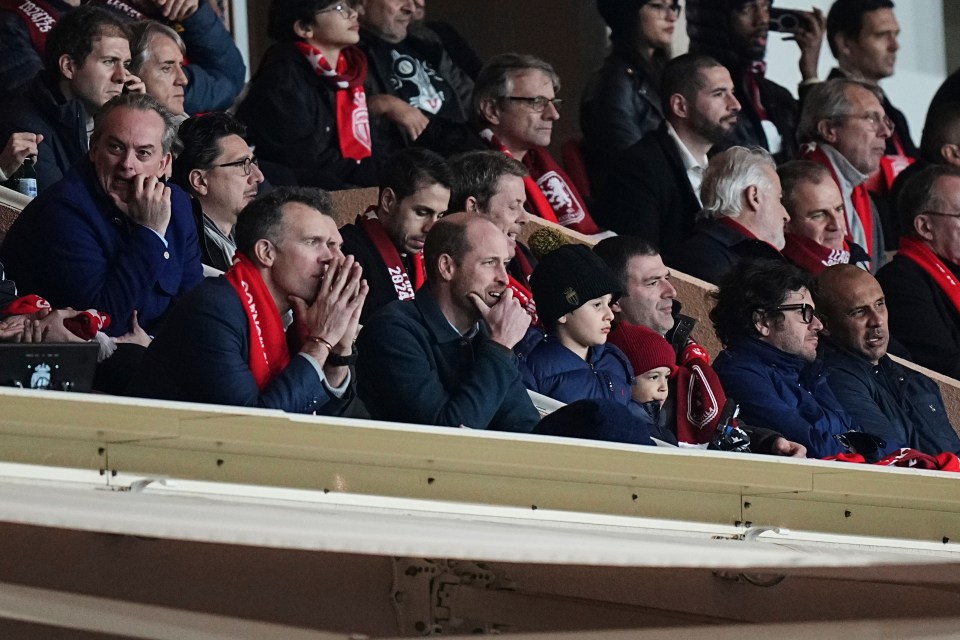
[(490, 184), (890, 400), (112, 235), (226, 342), (387, 240), (446, 358), (86, 59)]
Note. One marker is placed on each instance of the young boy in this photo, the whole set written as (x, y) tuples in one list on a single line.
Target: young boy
[(573, 290), (652, 358)]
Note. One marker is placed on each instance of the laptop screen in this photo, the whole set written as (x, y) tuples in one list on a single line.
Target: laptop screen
[(59, 367)]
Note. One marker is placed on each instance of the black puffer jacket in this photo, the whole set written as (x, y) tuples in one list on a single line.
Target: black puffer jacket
[(708, 25)]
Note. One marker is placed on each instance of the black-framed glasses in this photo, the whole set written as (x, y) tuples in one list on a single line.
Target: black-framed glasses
[(807, 312), (537, 104), (665, 10), (875, 119), (941, 214), (345, 9), (245, 163)]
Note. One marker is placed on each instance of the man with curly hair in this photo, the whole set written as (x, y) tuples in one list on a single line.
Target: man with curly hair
[(766, 318)]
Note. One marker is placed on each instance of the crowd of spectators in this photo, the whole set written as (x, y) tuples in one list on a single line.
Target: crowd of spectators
[(154, 170)]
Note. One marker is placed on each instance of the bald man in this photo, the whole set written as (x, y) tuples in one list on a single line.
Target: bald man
[(891, 401)]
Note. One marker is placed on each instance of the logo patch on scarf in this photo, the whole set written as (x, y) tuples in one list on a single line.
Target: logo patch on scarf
[(701, 407), (561, 198), (361, 119)]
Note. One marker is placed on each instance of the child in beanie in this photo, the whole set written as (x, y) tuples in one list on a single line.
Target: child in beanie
[(574, 290), (652, 357)]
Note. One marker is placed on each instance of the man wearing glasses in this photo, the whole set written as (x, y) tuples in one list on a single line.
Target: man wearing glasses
[(765, 317), (516, 104), (220, 172), (922, 283), (845, 129)]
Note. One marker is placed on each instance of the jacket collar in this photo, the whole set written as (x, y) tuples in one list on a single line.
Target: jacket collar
[(440, 328)]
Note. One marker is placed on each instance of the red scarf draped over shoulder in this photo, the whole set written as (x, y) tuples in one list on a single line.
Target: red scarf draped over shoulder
[(812, 256), (268, 344), (550, 191), (917, 251), (353, 119)]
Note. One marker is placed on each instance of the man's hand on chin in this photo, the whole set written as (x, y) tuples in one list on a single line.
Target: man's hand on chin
[(148, 202), (507, 320)]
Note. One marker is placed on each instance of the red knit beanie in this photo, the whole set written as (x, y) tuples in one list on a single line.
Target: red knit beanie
[(646, 349)]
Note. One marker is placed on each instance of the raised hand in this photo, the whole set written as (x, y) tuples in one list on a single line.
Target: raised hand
[(507, 320), (148, 202), (19, 146), (329, 316)]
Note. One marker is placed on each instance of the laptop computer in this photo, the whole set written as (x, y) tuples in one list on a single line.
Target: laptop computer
[(56, 366)]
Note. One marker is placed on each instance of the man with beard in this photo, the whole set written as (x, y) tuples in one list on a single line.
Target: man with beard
[(387, 239), (735, 33), (892, 401), (654, 188)]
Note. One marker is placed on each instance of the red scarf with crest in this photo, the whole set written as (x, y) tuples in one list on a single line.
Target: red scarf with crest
[(353, 119), (269, 355), (550, 191)]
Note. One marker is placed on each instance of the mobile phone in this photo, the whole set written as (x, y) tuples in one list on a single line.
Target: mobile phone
[(785, 20)]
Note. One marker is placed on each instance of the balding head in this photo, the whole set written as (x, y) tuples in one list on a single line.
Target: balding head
[(854, 310)]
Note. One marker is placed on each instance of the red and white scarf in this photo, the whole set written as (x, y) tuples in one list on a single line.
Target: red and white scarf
[(920, 253), (550, 191), (812, 256), (396, 269), (859, 197), (353, 119), (269, 354), (85, 324)]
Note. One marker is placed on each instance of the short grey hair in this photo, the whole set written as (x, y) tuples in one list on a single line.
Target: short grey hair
[(495, 79), (142, 34), (728, 175), (137, 102), (828, 101)]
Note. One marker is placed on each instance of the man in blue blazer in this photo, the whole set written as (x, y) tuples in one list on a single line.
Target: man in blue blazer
[(112, 235), (226, 342)]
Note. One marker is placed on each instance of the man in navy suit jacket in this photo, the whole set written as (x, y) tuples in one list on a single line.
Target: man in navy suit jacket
[(225, 342), (111, 235)]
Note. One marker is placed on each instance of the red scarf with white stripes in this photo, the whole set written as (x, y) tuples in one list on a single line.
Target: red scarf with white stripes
[(550, 191), (396, 269), (353, 119), (268, 344)]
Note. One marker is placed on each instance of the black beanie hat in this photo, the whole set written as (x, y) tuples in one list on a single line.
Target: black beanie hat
[(569, 277), (620, 15)]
